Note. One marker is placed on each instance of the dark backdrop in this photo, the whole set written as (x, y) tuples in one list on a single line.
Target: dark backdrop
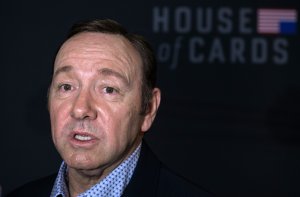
[(229, 118)]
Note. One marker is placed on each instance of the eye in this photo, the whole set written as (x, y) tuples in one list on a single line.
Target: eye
[(109, 90), (65, 87)]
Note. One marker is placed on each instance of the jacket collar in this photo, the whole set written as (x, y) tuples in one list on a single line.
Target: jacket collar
[(144, 181)]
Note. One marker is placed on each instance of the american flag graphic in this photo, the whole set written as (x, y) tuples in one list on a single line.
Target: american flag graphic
[(277, 21)]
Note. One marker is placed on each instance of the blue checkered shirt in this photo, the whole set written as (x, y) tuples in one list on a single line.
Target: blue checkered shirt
[(112, 185)]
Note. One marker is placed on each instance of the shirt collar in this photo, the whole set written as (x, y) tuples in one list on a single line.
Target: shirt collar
[(112, 185), (60, 187)]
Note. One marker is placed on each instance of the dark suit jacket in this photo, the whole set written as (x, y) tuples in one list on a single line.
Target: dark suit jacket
[(150, 179)]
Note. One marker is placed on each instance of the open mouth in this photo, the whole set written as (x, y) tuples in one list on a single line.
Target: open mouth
[(82, 137)]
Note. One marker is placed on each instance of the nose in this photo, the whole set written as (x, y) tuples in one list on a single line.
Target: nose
[(83, 106)]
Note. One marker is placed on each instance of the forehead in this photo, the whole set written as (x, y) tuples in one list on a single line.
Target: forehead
[(99, 48)]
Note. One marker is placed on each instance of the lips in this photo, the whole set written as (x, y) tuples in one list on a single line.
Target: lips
[(82, 139)]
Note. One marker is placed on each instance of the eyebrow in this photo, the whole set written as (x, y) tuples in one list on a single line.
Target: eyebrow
[(103, 71), (63, 69), (110, 72)]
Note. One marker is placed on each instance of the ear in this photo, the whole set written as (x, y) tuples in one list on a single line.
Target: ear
[(151, 113)]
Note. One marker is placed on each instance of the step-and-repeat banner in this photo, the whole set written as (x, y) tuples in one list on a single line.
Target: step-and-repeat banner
[(229, 75)]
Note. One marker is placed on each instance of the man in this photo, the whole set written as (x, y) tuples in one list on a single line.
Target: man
[(102, 99)]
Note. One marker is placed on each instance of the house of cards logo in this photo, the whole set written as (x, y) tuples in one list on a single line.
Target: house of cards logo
[(207, 35)]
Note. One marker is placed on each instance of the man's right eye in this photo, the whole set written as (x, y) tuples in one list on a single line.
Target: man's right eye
[(65, 87)]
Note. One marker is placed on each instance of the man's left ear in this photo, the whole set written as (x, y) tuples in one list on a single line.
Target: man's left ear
[(152, 110)]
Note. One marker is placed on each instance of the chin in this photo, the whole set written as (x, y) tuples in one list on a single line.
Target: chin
[(82, 166), (80, 161)]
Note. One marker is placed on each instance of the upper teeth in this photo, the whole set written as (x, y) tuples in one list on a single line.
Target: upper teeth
[(82, 137)]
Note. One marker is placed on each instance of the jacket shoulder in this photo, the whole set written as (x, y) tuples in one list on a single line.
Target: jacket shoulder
[(39, 188), (172, 184), (152, 178)]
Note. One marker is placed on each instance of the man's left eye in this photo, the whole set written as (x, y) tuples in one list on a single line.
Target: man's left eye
[(109, 90)]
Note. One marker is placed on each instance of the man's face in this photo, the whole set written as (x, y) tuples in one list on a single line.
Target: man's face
[(95, 101)]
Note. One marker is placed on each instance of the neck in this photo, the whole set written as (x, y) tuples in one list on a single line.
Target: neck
[(81, 180)]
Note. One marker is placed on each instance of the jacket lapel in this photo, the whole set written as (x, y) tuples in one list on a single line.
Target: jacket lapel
[(145, 179)]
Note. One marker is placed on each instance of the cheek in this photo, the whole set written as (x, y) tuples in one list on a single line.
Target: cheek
[(126, 126), (58, 116)]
